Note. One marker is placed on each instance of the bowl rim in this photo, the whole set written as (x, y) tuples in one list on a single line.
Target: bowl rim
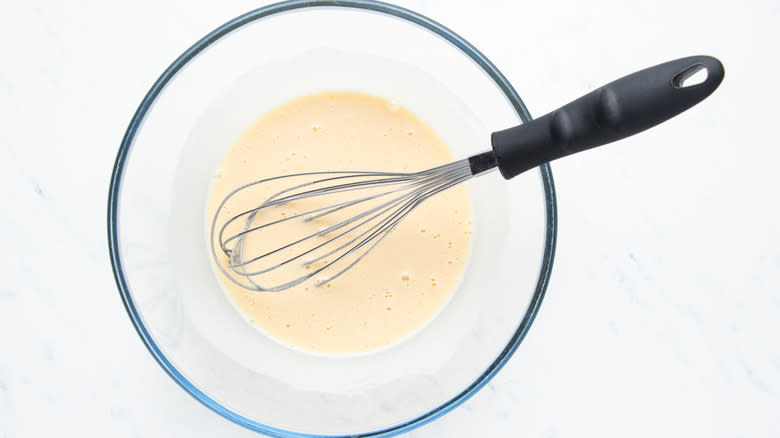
[(289, 5)]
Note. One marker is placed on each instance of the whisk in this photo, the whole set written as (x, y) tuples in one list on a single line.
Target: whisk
[(349, 213)]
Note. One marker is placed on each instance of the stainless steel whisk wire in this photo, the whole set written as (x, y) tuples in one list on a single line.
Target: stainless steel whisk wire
[(412, 189)]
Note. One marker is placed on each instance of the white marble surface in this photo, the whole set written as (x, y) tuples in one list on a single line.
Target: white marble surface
[(663, 314)]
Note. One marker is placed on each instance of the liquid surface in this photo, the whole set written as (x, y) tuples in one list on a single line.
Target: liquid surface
[(399, 286)]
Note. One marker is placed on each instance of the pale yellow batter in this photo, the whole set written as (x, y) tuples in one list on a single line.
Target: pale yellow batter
[(408, 277)]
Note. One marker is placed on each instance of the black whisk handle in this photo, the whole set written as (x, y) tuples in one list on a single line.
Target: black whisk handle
[(613, 112)]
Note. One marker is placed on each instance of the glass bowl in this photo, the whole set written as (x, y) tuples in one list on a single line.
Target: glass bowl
[(157, 237)]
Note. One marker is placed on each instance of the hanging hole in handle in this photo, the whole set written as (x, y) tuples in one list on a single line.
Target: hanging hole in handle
[(693, 75)]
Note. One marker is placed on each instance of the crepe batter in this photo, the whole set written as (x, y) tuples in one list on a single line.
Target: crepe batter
[(407, 278)]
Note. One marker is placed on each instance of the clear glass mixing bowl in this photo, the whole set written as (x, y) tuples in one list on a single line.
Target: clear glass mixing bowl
[(156, 220)]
